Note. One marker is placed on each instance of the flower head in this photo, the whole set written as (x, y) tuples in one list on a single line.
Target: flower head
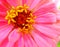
[(27, 23), (21, 18)]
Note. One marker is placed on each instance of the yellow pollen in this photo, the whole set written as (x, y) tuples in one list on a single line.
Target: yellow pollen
[(21, 18)]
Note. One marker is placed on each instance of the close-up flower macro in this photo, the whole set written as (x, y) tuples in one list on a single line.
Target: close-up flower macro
[(28, 23)]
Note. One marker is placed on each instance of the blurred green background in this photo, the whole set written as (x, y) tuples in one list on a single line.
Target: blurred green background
[(58, 45)]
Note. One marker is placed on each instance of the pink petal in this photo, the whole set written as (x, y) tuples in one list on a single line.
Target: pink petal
[(16, 44), (41, 3), (13, 37), (4, 43), (46, 8), (19, 2), (28, 42), (2, 23), (46, 31), (5, 4), (2, 18), (2, 13), (10, 44), (13, 2), (2, 8), (41, 41), (34, 3), (21, 41), (31, 42), (55, 27), (4, 31), (52, 42), (46, 18), (27, 2), (58, 15), (24, 2)]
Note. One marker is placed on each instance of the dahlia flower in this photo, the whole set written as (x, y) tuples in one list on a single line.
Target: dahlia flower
[(27, 23)]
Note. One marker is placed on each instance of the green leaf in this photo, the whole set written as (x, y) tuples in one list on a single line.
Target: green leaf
[(58, 45)]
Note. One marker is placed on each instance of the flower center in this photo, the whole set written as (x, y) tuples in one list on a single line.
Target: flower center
[(21, 18)]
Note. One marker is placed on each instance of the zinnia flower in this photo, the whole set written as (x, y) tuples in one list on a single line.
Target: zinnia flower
[(27, 23)]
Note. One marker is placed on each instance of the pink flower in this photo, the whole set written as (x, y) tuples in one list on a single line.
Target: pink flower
[(41, 34)]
